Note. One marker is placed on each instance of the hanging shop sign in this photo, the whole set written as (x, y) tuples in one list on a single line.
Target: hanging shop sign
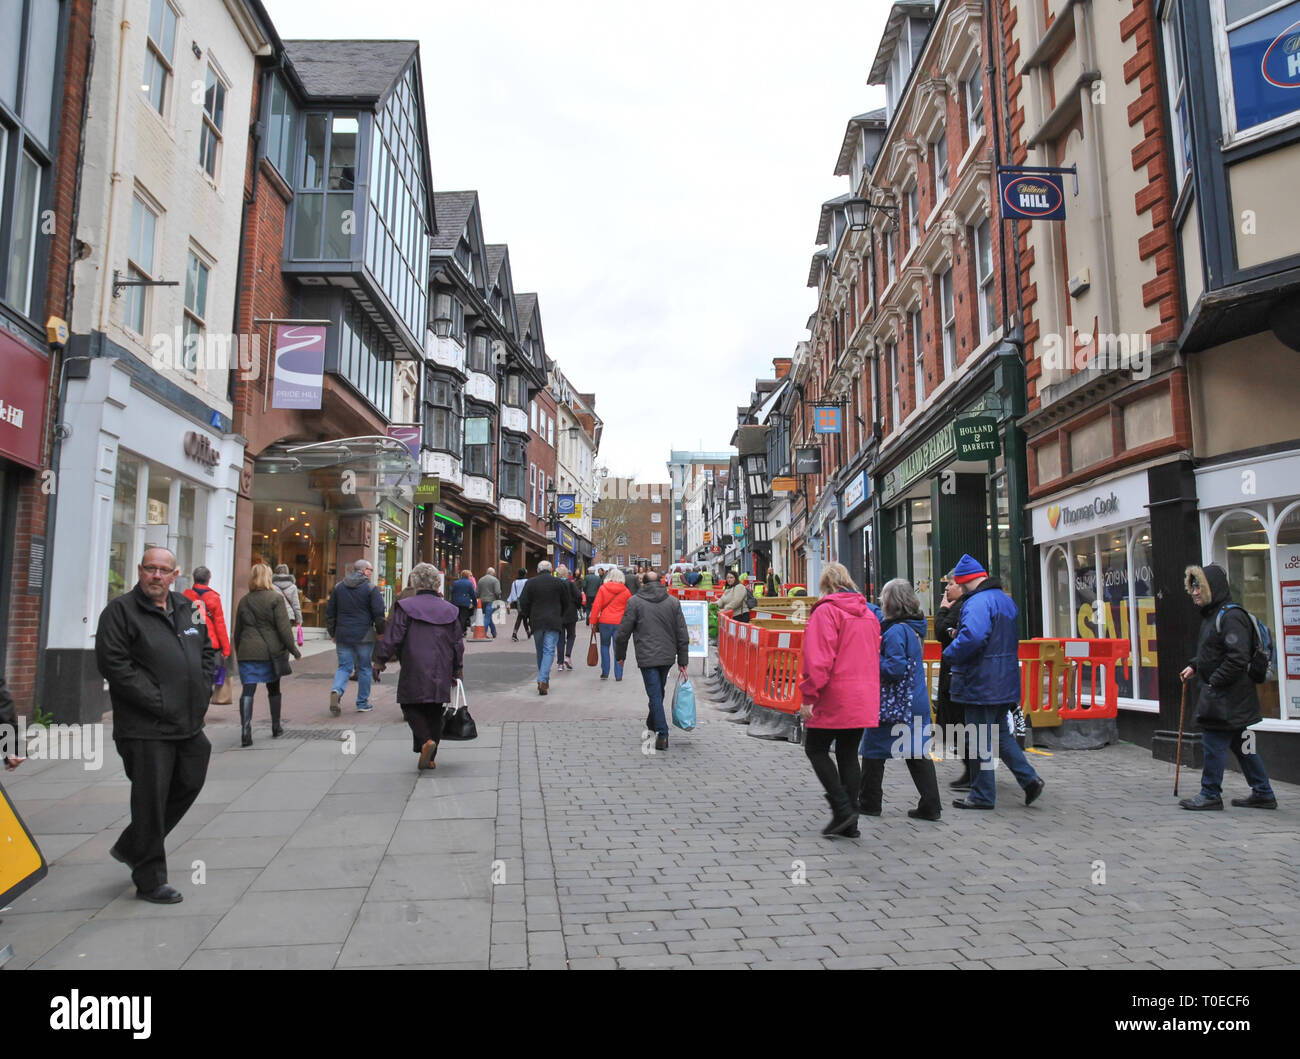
[(299, 366), (976, 438), (1032, 196), (24, 382), (784, 484), (856, 491), (565, 539), (409, 435), (429, 491), (566, 503), (827, 419), (808, 460), (938, 448)]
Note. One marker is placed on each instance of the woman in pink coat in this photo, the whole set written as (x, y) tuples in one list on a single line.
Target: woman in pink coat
[(840, 685)]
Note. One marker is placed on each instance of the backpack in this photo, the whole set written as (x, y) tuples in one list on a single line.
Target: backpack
[(751, 604), (1263, 655)]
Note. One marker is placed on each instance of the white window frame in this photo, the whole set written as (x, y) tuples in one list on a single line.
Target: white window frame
[(918, 355), (948, 304), (191, 316), (983, 284), (656, 516), (1228, 107), (891, 262), (167, 63), (136, 270), (1176, 86), (941, 171), (914, 213), (23, 303), (891, 351), (975, 108), (211, 134), (656, 537)]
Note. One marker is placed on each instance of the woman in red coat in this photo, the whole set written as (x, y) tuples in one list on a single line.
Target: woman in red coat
[(607, 611), (840, 685)]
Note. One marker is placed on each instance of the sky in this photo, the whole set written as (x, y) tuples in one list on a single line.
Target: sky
[(657, 171)]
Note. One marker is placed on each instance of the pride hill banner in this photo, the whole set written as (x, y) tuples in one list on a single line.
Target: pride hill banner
[(299, 366)]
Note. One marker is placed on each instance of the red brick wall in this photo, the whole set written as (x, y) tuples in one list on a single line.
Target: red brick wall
[(22, 629)]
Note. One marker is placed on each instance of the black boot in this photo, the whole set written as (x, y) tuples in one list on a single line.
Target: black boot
[(963, 782), (927, 786), (276, 730), (844, 818), (246, 717), (873, 774)]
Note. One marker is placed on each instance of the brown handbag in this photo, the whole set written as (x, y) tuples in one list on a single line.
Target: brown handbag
[(593, 652)]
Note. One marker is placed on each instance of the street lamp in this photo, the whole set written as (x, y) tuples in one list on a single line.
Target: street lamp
[(858, 213)]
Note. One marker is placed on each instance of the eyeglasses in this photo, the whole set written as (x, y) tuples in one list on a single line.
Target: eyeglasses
[(159, 571)]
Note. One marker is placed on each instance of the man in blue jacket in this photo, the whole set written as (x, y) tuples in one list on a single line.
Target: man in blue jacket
[(986, 680), (354, 616)]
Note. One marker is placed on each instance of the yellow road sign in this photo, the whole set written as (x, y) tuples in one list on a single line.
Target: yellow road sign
[(22, 864)]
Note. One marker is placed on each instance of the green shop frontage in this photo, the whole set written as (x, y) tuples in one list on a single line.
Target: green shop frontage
[(960, 489)]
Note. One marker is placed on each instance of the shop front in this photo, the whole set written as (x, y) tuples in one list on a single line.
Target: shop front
[(857, 511), (142, 474), (1250, 525), (566, 547), (936, 504), (1096, 567)]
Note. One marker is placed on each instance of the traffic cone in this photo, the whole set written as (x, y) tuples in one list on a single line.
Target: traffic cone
[(480, 630)]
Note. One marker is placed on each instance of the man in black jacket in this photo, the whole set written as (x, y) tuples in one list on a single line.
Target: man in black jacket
[(952, 717), (542, 604), (152, 647), (662, 638), (354, 617), (1229, 701)]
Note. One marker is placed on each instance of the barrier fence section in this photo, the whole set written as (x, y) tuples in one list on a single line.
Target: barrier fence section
[(1060, 679)]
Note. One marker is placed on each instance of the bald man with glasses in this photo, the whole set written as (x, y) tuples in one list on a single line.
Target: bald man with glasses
[(152, 647)]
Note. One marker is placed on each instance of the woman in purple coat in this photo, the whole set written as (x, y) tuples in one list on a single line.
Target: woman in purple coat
[(424, 635)]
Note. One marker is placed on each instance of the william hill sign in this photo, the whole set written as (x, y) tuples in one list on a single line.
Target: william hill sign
[(1032, 196)]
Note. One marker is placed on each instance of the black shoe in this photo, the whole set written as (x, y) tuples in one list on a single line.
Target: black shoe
[(661, 743), (163, 895), (916, 814), (962, 782), (962, 803), (117, 856), (515, 637), (1033, 791), (1255, 802), (1200, 803)]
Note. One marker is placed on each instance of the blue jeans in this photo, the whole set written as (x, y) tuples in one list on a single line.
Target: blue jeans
[(354, 656), (656, 679), (983, 788), (545, 641), (607, 631), (488, 626), (1215, 746)]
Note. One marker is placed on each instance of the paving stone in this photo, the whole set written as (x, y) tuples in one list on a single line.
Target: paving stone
[(419, 932)]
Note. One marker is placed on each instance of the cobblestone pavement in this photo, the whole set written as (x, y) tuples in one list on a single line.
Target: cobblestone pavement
[(561, 841)]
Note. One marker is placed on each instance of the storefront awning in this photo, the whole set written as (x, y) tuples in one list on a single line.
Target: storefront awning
[(359, 475)]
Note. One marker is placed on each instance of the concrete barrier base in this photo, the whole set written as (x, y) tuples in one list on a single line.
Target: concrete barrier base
[(766, 723), (1077, 735), (741, 716)]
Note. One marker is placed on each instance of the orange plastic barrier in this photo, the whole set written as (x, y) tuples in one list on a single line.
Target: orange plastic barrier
[(1092, 669)]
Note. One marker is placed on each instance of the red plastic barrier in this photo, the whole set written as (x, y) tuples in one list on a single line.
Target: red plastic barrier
[(1093, 669)]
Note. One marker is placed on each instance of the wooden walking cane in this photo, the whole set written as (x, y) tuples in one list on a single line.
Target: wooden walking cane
[(1178, 763)]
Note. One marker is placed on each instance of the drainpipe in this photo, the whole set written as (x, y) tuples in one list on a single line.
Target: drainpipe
[(1101, 227), (115, 177)]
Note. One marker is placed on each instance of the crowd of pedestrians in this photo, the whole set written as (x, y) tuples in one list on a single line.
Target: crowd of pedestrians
[(863, 679)]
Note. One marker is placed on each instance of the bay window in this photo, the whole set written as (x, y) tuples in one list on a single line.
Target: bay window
[(442, 429), (511, 482)]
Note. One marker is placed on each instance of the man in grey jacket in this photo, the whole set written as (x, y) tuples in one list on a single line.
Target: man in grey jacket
[(489, 591), (656, 619)]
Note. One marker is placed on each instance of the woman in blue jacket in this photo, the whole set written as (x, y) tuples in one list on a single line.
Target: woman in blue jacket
[(464, 596), (902, 638)]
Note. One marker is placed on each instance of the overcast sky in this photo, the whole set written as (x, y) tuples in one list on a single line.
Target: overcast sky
[(657, 171)]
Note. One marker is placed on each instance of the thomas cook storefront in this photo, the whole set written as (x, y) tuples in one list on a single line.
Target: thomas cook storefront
[(1097, 575)]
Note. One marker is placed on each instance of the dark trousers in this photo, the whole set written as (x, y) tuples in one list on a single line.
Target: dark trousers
[(519, 617), (425, 719), (166, 776), (568, 634), (466, 619), (844, 774), (655, 679)]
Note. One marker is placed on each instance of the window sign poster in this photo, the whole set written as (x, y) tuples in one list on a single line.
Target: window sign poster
[(1288, 559), (1265, 58), (696, 613)]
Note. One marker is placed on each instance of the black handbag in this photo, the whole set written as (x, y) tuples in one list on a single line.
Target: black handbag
[(457, 724)]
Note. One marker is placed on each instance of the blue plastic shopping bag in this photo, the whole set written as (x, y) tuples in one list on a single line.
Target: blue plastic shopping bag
[(684, 705)]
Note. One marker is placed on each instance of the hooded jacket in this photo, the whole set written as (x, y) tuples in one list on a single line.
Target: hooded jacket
[(985, 653), (286, 586), (425, 637), (1229, 700), (656, 618), (840, 675), (355, 611), (262, 629), (216, 617), (610, 604), (158, 666), (902, 643)]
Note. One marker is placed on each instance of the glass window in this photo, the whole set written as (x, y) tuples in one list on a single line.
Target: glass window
[(11, 14), (1262, 66), (22, 253), (949, 325), (941, 167), (280, 130), (122, 557), (1144, 621), (516, 392), (196, 306), (895, 387), (913, 215), (512, 467), (214, 110), (1176, 83), (922, 554), (890, 264), (343, 153), (442, 429), (42, 45), (313, 174), (975, 105), (656, 516), (158, 54), (918, 356), (1058, 586), (140, 255), (984, 278), (1241, 546)]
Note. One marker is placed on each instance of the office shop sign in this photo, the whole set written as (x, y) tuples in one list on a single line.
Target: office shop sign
[(200, 449)]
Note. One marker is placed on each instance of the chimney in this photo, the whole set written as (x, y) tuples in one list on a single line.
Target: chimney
[(781, 366)]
